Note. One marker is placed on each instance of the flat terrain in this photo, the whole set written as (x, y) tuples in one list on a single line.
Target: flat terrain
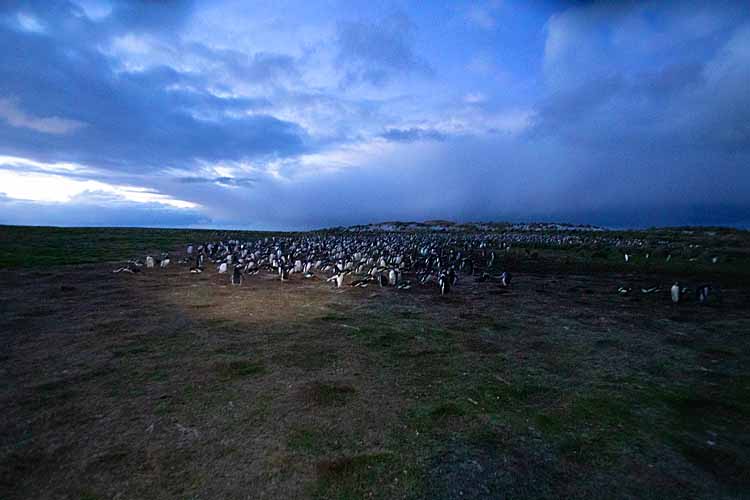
[(165, 384)]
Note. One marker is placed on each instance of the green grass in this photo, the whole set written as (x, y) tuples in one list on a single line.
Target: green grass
[(53, 246)]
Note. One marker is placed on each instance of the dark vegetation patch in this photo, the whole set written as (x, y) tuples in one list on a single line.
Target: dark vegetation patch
[(237, 369), (328, 394)]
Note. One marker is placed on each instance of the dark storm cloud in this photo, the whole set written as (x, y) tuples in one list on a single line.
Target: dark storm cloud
[(377, 52), (140, 120), (623, 113)]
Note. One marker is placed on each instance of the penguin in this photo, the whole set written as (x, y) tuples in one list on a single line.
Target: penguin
[(382, 280), (223, 268), (452, 277), (237, 275), (675, 292), (190, 250), (164, 263), (701, 293), (505, 278), (150, 262), (337, 278), (444, 283), (392, 278), (627, 258)]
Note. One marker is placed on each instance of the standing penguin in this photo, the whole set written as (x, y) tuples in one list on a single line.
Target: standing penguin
[(150, 262), (675, 292), (392, 278), (222, 268), (505, 278), (444, 283), (382, 280), (701, 294), (237, 275)]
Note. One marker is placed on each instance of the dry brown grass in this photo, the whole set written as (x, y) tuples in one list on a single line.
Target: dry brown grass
[(171, 385)]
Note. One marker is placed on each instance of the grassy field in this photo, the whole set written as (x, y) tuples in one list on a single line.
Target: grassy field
[(165, 384)]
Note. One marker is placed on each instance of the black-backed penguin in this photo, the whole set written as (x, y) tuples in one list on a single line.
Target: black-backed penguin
[(237, 275)]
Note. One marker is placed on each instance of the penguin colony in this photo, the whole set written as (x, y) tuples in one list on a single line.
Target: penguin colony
[(384, 260), (388, 259)]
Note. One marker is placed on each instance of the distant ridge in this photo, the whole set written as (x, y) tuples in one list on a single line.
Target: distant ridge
[(447, 226)]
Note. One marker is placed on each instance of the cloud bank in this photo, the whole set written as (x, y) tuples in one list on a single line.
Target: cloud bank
[(311, 115)]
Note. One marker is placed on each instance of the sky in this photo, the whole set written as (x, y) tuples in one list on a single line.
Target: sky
[(294, 115)]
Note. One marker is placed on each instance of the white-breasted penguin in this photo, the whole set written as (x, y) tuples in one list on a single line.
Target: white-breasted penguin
[(701, 293), (675, 292), (444, 283)]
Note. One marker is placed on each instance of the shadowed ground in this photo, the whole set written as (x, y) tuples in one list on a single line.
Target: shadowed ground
[(165, 384)]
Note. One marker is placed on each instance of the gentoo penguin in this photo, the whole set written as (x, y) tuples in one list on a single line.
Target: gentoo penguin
[(701, 294), (505, 278), (338, 279), (237, 275), (675, 292), (452, 276), (164, 263), (392, 277), (283, 273), (150, 262), (382, 280), (222, 268), (444, 283), (627, 257)]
